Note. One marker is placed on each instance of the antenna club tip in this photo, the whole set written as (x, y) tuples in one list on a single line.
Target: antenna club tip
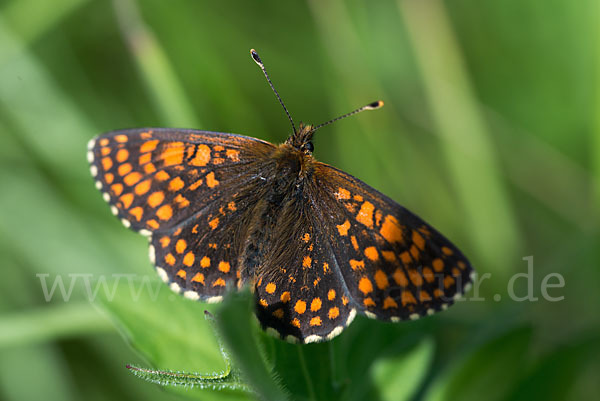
[(255, 56), (375, 105)]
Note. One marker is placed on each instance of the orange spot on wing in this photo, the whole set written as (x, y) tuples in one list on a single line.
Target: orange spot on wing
[(415, 277), (448, 281), (233, 154), (438, 293), (300, 307), (231, 206), (137, 212), (428, 274), (438, 265), (149, 168), (315, 321), (278, 313), (381, 280), (342, 194), (148, 146), (368, 302), (122, 155), (371, 253), (121, 138), (211, 181), (354, 242), (181, 273), (213, 223), (109, 178), (106, 163), (400, 278), (165, 212), (132, 178), (365, 286), (124, 169), (414, 252), (219, 283), (418, 240), (344, 300), (365, 214), (325, 267), (143, 187), (405, 258), (198, 278), (180, 245), (202, 156), (357, 264), (176, 184), (188, 259), (315, 305), (447, 251), (389, 302), (390, 230), (390, 256), (331, 294), (306, 262), (170, 259), (162, 175), (105, 151), (156, 198), (306, 237), (285, 297), (104, 141), (205, 262), (408, 298), (296, 322), (117, 188), (165, 241), (270, 288), (173, 153), (424, 296), (224, 266), (195, 185), (181, 201), (333, 313), (153, 224), (127, 200), (145, 158), (343, 228)]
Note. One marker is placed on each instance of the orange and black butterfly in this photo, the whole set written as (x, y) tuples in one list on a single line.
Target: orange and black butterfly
[(315, 244)]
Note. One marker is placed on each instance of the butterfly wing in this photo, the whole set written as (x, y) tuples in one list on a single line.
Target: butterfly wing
[(395, 266), (190, 191), (300, 293)]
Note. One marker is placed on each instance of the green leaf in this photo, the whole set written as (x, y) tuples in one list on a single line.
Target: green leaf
[(399, 377), (495, 365), (170, 332), (239, 334), (554, 375)]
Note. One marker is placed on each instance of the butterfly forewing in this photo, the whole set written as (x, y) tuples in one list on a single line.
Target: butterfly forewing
[(395, 265), (156, 178)]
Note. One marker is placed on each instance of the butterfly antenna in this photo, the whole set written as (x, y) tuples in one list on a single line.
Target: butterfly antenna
[(258, 61), (371, 106)]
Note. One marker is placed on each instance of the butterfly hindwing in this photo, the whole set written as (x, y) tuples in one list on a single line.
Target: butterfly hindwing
[(395, 265), (300, 293)]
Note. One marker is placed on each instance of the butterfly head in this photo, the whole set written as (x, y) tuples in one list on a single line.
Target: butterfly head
[(301, 138)]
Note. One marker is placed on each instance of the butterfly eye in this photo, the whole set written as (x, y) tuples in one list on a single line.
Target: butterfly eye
[(309, 146)]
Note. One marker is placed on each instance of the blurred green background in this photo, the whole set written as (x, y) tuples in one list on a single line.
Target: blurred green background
[(490, 131)]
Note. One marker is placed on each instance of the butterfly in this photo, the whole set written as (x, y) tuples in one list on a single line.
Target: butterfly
[(315, 244)]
